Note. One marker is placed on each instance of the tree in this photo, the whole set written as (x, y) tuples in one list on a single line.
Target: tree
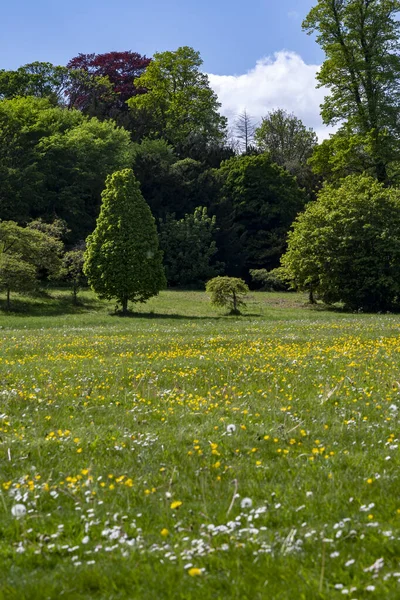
[(189, 247), (24, 252), (170, 185), (257, 204), (72, 270), (120, 69), (244, 130), (179, 100), (345, 247), (289, 143), (39, 79), (228, 292), (122, 259), (54, 162), (361, 41)]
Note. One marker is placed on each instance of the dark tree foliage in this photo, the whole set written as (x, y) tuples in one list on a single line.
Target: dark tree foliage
[(257, 205), (189, 247), (170, 185)]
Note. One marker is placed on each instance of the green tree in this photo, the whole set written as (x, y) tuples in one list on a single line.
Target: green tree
[(257, 205), (179, 100), (54, 162), (189, 247), (122, 259), (39, 79), (26, 252), (228, 292), (72, 270), (345, 247), (290, 144), (362, 68)]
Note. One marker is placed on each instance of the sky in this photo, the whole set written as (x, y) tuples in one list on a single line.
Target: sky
[(255, 53)]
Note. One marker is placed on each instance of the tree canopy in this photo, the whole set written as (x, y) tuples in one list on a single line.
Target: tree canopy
[(53, 162), (179, 100), (361, 71)]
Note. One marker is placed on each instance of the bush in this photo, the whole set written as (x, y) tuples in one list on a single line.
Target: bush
[(228, 292), (345, 247), (270, 281)]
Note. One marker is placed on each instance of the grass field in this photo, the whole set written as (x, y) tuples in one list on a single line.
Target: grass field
[(181, 453)]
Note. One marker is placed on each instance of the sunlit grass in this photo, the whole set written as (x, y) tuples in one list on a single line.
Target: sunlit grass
[(181, 453)]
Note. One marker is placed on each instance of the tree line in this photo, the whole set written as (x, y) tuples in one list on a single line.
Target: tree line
[(221, 205)]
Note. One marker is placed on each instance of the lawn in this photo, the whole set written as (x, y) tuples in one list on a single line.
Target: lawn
[(183, 454)]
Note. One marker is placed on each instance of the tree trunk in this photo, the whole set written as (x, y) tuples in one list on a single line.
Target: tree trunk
[(311, 298), (8, 299), (75, 293), (234, 303), (124, 306)]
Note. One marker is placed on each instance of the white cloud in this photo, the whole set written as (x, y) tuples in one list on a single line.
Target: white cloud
[(282, 81)]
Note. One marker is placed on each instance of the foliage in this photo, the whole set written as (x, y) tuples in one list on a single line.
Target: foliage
[(289, 143), (120, 69), (179, 100), (362, 68), (23, 252), (170, 185), (270, 281), (54, 162), (257, 205), (39, 79), (189, 247), (345, 247), (228, 292), (57, 229), (122, 259)]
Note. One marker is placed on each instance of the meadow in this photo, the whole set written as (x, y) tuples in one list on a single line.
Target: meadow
[(182, 453)]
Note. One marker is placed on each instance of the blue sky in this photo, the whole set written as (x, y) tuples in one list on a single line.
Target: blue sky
[(255, 52), (231, 35)]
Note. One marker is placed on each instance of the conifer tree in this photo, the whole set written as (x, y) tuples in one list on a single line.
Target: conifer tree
[(122, 259)]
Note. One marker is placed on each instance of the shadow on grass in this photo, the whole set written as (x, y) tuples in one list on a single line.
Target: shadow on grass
[(45, 305), (152, 315)]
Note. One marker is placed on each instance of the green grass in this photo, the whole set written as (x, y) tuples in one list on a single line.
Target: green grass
[(127, 439)]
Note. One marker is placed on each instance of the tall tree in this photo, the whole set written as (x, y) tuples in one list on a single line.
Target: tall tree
[(122, 259), (362, 72), (244, 130), (179, 100), (289, 143)]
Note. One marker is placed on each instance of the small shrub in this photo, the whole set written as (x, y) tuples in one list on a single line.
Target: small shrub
[(228, 292)]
